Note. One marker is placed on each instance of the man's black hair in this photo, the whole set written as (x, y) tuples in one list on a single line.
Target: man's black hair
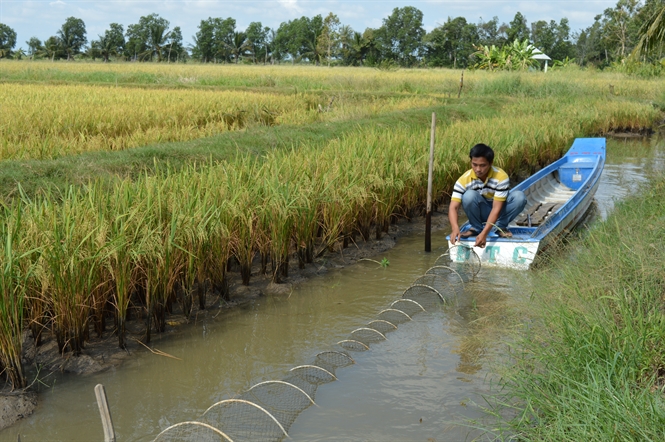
[(482, 150)]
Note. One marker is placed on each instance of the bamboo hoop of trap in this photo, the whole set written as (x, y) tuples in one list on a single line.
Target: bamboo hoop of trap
[(295, 387), (305, 372), (194, 429), (369, 335), (394, 316), (251, 404), (332, 356), (415, 307), (382, 326), (438, 282), (422, 289), (442, 270), (353, 345)]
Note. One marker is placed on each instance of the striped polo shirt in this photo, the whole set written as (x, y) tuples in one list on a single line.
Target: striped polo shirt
[(495, 187)]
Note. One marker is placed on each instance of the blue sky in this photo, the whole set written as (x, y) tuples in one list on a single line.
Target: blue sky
[(42, 18)]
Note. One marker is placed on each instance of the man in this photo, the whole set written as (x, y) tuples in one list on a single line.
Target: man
[(484, 194)]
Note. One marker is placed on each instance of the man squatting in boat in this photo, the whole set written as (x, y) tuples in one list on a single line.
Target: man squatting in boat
[(485, 197)]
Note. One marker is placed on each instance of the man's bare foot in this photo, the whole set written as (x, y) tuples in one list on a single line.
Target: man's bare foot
[(504, 234), (468, 233)]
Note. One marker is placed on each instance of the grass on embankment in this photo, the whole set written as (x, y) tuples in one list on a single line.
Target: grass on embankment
[(591, 364)]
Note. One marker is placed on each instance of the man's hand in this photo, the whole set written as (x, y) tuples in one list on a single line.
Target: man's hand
[(452, 217), (455, 235), (481, 239)]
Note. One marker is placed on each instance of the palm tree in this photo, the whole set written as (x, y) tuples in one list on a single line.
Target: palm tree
[(313, 52), (106, 47), (66, 40), (270, 47), (50, 48), (652, 33), (358, 47), (346, 36), (238, 46), (19, 54), (157, 38)]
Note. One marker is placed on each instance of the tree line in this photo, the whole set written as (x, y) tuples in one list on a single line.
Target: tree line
[(400, 41)]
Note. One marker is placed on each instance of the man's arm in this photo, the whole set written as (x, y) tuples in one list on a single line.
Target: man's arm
[(452, 217), (481, 239)]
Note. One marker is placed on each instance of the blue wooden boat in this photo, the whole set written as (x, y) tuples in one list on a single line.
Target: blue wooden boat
[(558, 197)]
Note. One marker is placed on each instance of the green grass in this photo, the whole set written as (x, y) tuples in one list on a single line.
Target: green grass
[(590, 365)]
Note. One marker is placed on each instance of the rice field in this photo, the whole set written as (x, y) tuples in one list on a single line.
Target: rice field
[(50, 110), (302, 78), (41, 121), (313, 79), (169, 237)]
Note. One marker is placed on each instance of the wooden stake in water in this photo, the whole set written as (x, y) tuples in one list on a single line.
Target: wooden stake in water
[(428, 216), (105, 413)]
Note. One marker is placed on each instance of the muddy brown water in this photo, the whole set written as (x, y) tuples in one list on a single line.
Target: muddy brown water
[(425, 382)]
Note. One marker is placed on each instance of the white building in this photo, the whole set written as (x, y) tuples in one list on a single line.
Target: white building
[(538, 55)]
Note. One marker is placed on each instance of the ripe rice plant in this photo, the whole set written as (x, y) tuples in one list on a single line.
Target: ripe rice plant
[(41, 121), (49, 121), (225, 76), (15, 273)]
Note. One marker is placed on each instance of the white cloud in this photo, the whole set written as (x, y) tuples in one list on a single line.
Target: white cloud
[(291, 5)]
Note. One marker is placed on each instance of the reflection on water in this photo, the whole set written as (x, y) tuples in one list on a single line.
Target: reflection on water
[(629, 164), (423, 381), (427, 376)]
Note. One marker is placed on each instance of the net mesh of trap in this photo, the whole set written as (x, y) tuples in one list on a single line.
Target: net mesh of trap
[(267, 410), (466, 266)]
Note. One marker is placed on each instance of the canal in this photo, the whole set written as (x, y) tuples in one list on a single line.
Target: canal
[(427, 381)]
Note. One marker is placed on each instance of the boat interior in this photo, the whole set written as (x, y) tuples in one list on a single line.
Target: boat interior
[(544, 198)]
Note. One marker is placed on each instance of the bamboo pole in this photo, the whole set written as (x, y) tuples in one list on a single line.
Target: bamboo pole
[(105, 413), (428, 216), (461, 85)]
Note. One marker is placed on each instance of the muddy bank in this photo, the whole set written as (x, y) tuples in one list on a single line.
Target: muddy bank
[(15, 406), (101, 354)]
